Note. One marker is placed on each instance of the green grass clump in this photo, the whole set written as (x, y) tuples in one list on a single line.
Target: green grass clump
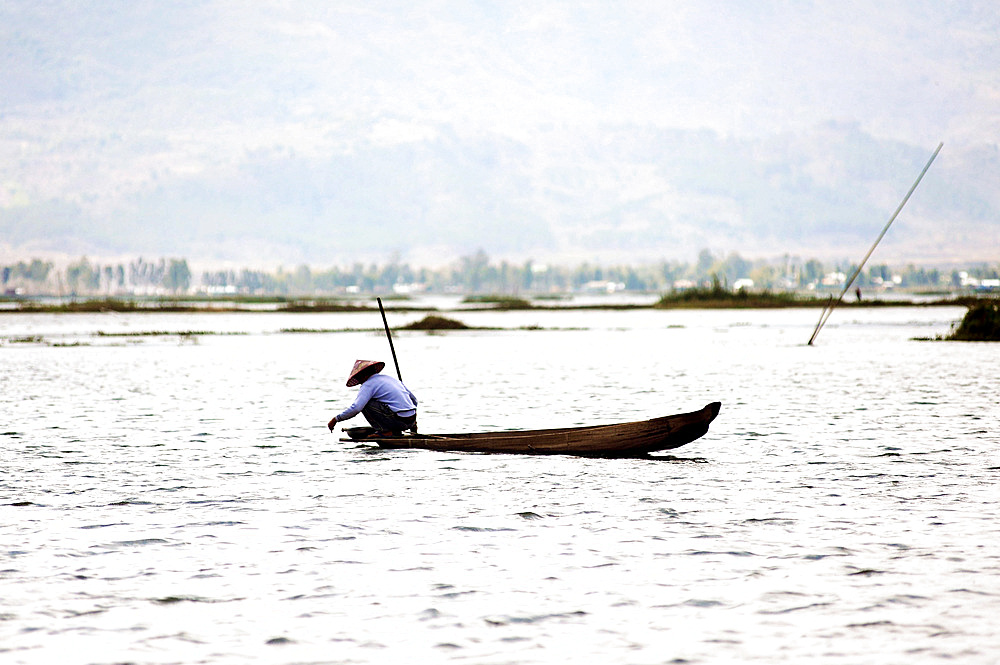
[(719, 297), (322, 305), (27, 339), (312, 330), (164, 333), (981, 323), (498, 301), (434, 322)]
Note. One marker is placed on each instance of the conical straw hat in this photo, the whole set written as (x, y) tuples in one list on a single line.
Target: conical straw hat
[(362, 369)]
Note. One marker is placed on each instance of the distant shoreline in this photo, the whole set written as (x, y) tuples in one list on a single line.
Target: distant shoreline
[(253, 304)]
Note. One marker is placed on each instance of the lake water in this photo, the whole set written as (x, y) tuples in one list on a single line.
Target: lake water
[(178, 499)]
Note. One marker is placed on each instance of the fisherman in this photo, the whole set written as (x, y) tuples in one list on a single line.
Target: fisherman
[(387, 405)]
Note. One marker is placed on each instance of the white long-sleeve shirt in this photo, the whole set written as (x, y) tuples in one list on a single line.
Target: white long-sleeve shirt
[(387, 390)]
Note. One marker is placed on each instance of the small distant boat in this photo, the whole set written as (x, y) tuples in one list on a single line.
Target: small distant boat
[(634, 439)]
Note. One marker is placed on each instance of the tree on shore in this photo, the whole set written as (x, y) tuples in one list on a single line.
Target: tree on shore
[(178, 276)]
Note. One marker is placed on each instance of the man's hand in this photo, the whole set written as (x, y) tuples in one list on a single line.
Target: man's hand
[(333, 421)]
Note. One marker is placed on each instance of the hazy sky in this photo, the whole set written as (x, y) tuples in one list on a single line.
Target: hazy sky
[(323, 131)]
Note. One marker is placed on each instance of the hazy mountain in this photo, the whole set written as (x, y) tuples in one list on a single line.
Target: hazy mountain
[(328, 132)]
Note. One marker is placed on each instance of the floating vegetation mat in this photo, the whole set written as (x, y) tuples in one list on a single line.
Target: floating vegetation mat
[(430, 324), (130, 337), (434, 322), (981, 323), (498, 301), (165, 333)]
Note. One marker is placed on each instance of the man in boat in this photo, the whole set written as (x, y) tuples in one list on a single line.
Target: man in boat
[(387, 405)]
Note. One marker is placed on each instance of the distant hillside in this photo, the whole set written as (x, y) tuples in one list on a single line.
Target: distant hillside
[(327, 133)]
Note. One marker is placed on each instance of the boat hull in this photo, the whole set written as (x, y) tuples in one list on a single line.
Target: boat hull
[(634, 439)]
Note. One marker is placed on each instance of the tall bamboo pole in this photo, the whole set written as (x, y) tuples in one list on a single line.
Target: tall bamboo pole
[(389, 336), (828, 309)]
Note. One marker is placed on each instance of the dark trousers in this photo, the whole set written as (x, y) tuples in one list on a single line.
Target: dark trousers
[(384, 419)]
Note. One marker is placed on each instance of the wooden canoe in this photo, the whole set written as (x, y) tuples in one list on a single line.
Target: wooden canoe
[(621, 440)]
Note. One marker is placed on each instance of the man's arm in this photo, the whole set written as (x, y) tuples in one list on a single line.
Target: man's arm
[(364, 394)]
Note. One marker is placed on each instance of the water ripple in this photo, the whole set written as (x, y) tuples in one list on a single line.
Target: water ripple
[(841, 509)]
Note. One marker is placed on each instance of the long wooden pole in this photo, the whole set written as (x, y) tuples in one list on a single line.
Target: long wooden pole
[(828, 309), (389, 336)]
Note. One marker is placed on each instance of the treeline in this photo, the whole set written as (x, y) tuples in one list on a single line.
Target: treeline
[(82, 277), (477, 274), (474, 274)]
